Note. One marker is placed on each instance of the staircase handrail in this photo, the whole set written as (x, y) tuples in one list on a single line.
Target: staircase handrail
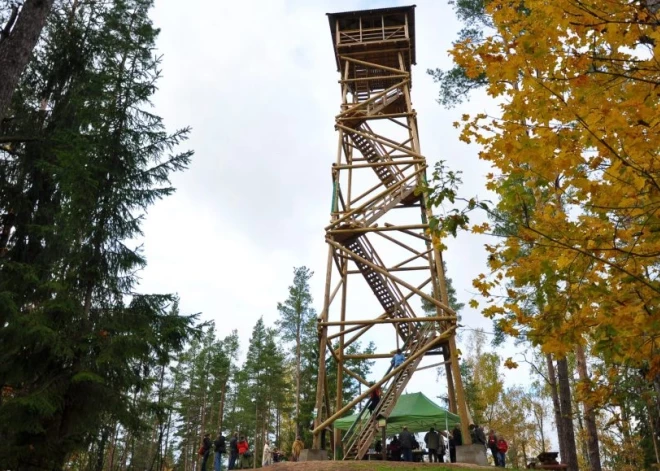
[(420, 335)]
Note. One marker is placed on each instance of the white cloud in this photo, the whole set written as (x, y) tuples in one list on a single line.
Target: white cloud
[(257, 82)]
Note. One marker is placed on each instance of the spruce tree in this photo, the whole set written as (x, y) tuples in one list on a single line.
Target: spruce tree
[(80, 346)]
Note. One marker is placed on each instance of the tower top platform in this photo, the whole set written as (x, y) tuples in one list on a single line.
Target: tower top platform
[(375, 35)]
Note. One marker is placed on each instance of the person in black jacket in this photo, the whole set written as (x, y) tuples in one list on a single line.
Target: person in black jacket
[(233, 451), (406, 440), (206, 450), (455, 439), (220, 449)]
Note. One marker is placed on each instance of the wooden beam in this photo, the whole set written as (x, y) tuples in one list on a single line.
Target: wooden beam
[(407, 247), (381, 140), (393, 320), (396, 279), (382, 316), (435, 365), (320, 383), (389, 227), (375, 187), (376, 77), (380, 164), (334, 292), (407, 231), (393, 269), (376, 66), (389, 116), (363, 104), (374, 199), (346, 370), (364, 356), (384, 379)]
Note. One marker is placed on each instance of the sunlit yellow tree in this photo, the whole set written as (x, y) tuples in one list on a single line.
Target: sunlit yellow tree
[(575, 151), (579, 129)]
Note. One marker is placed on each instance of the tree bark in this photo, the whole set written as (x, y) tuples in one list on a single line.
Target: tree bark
[(16, 47), (552, 378), (221, 411), (589, 414), (568, 430), (298, 361)]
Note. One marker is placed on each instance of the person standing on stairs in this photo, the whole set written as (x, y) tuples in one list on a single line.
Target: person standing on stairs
[(406, 443), (398, 358), (374, 398)]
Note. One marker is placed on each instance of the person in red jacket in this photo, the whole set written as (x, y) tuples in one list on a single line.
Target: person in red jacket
[(374, 398), (243, 453), (502, 448)]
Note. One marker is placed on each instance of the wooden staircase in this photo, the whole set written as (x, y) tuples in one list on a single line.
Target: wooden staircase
[(360, 436), (386, 292), (374, 154)]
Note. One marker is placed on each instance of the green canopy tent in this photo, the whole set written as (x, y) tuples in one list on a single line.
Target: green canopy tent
[(416, 411)]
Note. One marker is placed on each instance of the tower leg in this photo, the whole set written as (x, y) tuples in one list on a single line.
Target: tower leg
[(323, 339), (451, 393)]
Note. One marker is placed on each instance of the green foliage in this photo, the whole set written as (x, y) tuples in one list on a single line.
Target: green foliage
[(455, 85), (296, 313), (79, 345), (454, 303)]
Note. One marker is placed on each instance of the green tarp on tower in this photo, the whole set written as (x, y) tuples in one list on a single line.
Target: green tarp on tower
[(416, 411)]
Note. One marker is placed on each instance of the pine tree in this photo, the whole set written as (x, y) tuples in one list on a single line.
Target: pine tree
[(295, 312)]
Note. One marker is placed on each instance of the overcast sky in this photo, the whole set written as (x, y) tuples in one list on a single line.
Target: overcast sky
[(257, 82)]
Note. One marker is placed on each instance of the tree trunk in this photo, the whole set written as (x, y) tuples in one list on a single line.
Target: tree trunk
[(567, 414), (221, 411), (589, 414), (298, 383), (101, 451), (16, 45), (113, 448), (552, 378)]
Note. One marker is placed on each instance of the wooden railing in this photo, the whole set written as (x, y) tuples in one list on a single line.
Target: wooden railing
[(383, 33)]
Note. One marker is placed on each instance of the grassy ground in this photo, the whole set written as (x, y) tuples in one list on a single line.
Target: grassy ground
[(372, 466)]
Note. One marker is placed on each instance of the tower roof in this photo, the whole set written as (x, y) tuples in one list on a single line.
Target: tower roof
[(408, 11)]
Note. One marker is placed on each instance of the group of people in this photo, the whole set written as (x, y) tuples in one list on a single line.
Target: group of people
[(401, 447), (496, 444), (239, 452)]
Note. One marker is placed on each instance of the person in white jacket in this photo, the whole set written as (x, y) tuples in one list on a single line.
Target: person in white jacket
[(267, 458)]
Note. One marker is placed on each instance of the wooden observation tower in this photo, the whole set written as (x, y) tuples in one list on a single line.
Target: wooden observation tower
[(378, 241)]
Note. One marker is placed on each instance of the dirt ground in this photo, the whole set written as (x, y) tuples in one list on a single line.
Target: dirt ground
[(371, 465)]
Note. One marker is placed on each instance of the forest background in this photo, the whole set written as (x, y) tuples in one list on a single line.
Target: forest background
[(98, 376)]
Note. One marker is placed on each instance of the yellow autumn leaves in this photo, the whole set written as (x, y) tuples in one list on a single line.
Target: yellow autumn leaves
[(576, 149)]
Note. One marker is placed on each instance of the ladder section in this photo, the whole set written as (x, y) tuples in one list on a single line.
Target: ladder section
[(371, 153), (374, 106), (374, 153), (388, 294), (379, 206), (358, 443)]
